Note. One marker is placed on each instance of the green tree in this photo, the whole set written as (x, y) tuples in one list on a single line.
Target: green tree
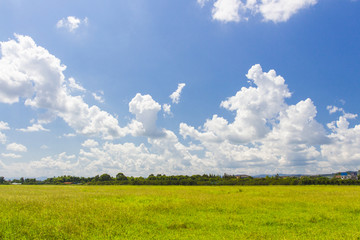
[(121, 177), (105, 177)]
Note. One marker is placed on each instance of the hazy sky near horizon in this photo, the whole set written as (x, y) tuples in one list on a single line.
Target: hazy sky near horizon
[(179, 87)]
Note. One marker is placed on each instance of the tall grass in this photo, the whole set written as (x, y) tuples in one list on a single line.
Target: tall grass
[(179, 212)]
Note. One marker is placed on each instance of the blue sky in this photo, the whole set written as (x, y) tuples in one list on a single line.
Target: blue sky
[(179, 87)]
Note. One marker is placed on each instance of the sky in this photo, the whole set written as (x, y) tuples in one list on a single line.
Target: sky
[(179, 87)]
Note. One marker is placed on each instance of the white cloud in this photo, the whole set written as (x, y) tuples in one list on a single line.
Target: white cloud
[(53, 165), (75, 86), (167, 109), (266, 135), (33, 128), (256, 108), (29, 71), (282, 10), (145, 110), (3, 126), (164, 155), (175, 96), (69, 135), (344, 148), (227, 10), (265, 131), (334, 109), (271, 10), (90, 143), (15, 147), (71, 23), (10, 155), (98, 98)]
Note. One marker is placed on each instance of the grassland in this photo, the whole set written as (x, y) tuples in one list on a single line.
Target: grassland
[(179, 212)]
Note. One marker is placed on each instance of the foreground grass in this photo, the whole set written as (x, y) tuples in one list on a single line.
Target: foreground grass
[(179, 212)]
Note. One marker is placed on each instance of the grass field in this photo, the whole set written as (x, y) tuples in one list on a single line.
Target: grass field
[(179, 212)]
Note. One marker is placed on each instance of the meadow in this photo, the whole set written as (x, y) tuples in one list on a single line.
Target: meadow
[(179, 212)]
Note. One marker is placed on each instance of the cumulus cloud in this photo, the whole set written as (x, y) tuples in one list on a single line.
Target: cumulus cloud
[(53, 165), (16, 147), (71, 23), (256, 108), (282, 10), (163, 155), (33, 128), (90, 143), (265, 130), (265, 135), (4, 126), (227, 10), (344, 148), (271, 10), (175, 96), (30, 72), (145, 110)]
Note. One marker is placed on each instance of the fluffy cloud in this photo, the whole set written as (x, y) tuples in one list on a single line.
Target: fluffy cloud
[(256, 108), (163, 155), (344, 148), (282, 10), (30, 72), (90, 143), (265, 131), (53, 165), (33, 128), (175, 96), (15, 147), (227, 10), (71, 23), (271, 10), (266, 135), (4, 126), (145, 110)]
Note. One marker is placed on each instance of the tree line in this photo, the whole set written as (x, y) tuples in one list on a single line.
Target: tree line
[(205, 179)]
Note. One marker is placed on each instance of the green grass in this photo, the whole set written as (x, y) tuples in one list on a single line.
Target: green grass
[(179, 212)]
